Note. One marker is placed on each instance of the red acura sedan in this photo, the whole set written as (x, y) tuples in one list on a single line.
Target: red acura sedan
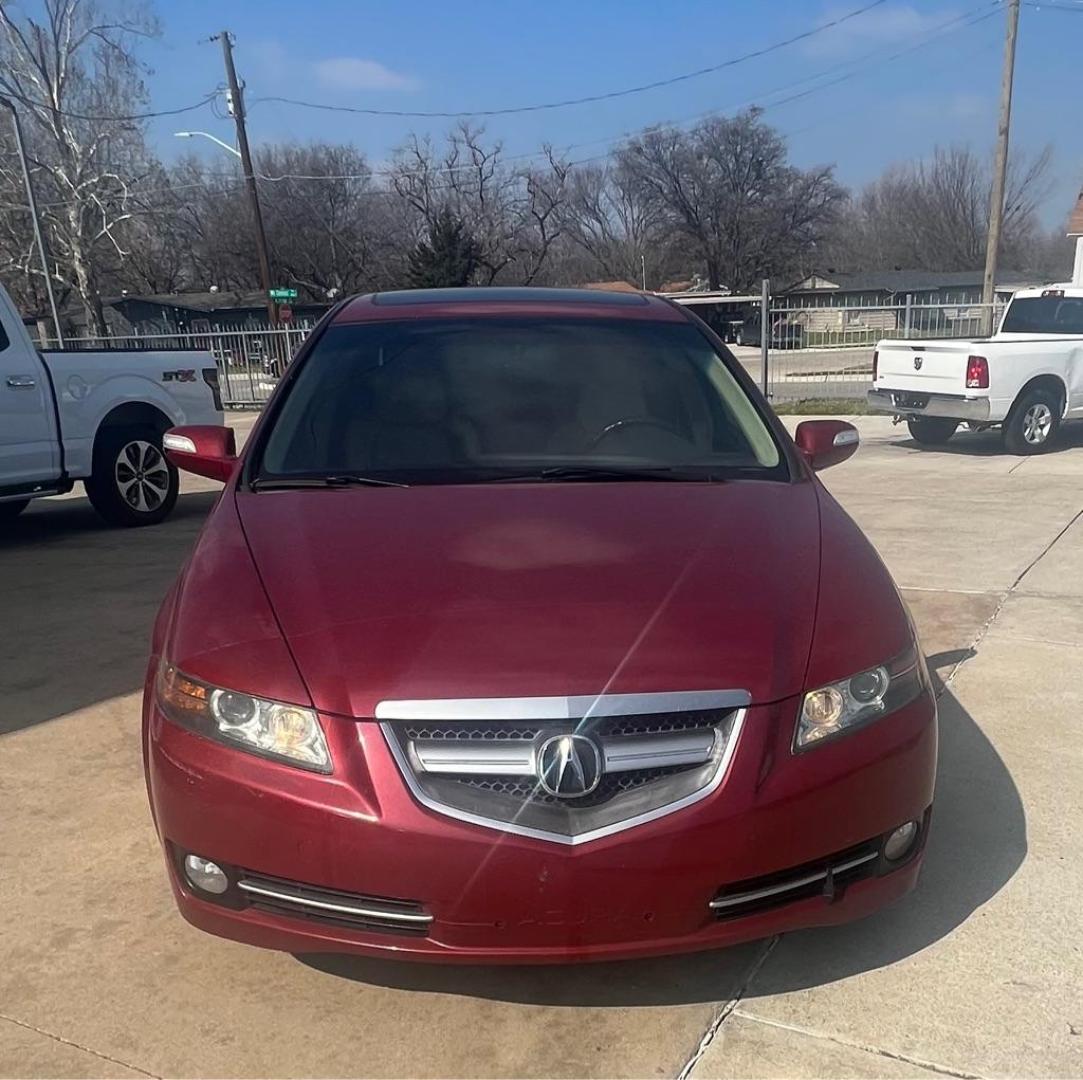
[(523, 632)]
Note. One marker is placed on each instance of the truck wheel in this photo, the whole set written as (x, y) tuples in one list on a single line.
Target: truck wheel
[(1032, 424), (931, 430), (132, 483), (9, 511)]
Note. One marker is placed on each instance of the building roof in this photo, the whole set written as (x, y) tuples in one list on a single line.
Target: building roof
[(904, 281), (1075, 219), (197, 301), (611, 286)]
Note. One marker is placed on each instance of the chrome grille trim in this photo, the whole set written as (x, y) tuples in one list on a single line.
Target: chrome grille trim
[(474, 759), (735, 900), (390, 917), (662, 702), (517, 758), (627, 752), (561, 708)]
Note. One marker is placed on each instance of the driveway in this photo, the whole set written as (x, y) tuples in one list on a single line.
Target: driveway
[(980, 972)]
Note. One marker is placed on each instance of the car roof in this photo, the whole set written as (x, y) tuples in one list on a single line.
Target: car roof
[(495, 302)]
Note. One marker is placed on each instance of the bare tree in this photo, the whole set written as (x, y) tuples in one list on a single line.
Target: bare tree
[(743, 211), (513, 213), (619, 223), (933, 214), (79, 61), (326, 219)]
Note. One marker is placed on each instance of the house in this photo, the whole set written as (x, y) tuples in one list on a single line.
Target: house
[(889, 288), (834, 308), (199, 312), (1075, 229)]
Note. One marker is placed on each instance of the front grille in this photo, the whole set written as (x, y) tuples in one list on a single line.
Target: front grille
[(332, 906), (642, 755), (471, 732), (825, 877), (527, 788)]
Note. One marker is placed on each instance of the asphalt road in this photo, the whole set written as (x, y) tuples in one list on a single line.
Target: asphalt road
[(979, 972)]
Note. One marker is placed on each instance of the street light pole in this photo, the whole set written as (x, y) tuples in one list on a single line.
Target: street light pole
[(1000, 169), (207, 135), (237, 98), (39, 237)]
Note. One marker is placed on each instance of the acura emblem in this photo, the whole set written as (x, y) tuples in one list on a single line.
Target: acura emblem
[(917, 363), (569, 766)]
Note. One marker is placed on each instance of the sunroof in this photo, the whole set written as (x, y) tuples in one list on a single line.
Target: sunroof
[(502, 294)]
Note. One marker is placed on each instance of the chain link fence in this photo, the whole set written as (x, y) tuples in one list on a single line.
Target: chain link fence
[(825, 352), (250, 362), (814, 352)]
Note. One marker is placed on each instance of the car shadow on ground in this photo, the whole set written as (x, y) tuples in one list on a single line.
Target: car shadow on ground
[(976, 844), (77, 603), (988, 443)]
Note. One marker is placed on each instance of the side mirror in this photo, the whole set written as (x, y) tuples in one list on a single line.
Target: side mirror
[(824, 443), (203, 449)]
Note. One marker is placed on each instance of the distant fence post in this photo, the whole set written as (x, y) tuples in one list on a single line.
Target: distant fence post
[(765, 331), (906, 316)]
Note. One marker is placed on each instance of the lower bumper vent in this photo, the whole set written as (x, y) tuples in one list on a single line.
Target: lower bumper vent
[(281, 897), (823, 878)]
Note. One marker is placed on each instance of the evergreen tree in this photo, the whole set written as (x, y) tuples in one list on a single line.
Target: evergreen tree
[(447, 258)]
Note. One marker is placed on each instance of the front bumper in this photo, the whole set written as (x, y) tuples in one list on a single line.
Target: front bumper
[(949, 406), (495, 897)]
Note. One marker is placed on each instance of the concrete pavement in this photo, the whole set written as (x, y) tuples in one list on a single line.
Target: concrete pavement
[(979, 972)]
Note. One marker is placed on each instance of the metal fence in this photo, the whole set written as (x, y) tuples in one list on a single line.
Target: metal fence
[(813, 352), (250, 362), (826, 352)]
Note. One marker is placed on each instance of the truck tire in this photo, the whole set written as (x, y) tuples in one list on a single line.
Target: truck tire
[(931, 430), (9, 511), (132, 483), (1033, 422)]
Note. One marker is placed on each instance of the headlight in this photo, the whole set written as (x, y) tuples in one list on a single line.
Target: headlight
[(836, 708), (286, 733)]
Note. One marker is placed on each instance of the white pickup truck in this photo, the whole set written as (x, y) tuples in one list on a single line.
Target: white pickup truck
[(98, 417), (1026, 378)]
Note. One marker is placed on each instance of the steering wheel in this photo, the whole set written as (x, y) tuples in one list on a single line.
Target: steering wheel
[(636, 421)]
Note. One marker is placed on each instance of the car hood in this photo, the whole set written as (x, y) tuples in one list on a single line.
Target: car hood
[(540, 589)]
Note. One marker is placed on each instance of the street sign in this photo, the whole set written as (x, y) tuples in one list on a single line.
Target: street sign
[(282, 294), (285, 313)]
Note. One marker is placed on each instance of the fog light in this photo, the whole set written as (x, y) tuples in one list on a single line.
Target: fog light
[(205, 875), (898, 844)]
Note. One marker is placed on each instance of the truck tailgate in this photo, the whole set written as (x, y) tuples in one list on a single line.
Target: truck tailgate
[(930, 367)]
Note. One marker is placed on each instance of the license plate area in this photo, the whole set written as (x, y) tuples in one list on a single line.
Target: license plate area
[(910, 401)]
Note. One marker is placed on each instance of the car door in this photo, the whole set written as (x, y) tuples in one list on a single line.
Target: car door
[(28, 438)]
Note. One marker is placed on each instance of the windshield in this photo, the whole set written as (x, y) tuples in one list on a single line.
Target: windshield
[(461, 401), (1044, 315)]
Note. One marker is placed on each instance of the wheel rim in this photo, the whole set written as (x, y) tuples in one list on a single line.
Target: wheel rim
[(1037, 423), (142, 476)]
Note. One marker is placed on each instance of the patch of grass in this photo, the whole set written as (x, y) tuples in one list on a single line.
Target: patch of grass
[(822, 407)]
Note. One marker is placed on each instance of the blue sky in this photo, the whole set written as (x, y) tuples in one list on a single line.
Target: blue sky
[(862, 112)]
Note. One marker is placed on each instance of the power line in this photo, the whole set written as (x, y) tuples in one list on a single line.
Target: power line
[(591, 98), (45, 107), (226, 183)]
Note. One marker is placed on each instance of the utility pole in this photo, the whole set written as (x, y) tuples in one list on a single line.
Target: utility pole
[(1000, 169), (39, 237), (237, 108)]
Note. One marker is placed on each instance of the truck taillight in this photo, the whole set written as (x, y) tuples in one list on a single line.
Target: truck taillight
[(977, 373), (875, 363)]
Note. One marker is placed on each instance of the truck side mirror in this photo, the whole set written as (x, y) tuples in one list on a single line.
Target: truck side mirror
[(203, 449), (824, 443)]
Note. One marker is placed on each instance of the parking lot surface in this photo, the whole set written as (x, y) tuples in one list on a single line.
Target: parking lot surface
[(978, 973)]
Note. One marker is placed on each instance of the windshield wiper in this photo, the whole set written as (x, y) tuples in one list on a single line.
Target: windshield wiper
[(331, 480), (600, 473)]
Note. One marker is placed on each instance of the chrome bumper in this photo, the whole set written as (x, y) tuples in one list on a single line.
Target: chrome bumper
[(975, 410)]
